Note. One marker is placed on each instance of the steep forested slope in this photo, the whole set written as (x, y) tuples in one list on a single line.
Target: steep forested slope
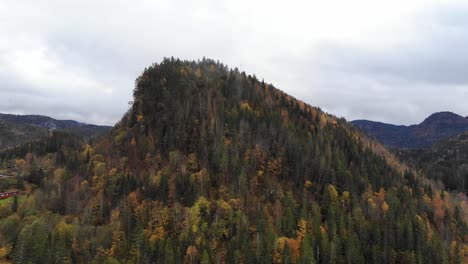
[(211, 165)]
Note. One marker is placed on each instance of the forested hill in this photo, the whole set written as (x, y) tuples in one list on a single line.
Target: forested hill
[(211, 165), (18, 129), (12, 134)]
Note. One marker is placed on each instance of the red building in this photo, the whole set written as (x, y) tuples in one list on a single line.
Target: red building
[(8, 194)]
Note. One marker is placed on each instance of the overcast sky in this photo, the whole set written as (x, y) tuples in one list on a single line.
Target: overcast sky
[(395, 61)]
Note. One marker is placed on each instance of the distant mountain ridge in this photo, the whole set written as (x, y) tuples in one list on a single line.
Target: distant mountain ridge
[(18, 129), (82, 129), (435, 127)]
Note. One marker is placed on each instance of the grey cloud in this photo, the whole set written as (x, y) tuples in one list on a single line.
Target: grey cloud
[(400, 84), (96, 111), (109, 45), (433, 59)]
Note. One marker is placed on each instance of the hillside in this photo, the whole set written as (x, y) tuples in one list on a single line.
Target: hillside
[(211, 165), (18, 129), (12, 134), (435, 127), (445, 160)]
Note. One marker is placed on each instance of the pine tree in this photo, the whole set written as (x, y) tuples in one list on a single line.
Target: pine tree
[(307, 252), (14, 205)]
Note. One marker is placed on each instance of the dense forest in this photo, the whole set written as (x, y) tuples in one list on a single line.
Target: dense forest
[(211, 165), (445, 161), (12, 134)]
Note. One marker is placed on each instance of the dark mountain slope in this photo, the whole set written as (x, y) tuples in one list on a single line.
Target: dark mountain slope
[(211, 165), (440, 125), (12, 134), (435, 127), (388, 134), (446, 160), (18, 129)]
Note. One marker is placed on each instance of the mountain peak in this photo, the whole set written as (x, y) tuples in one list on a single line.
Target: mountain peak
[(175, 94), (444, 117)]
